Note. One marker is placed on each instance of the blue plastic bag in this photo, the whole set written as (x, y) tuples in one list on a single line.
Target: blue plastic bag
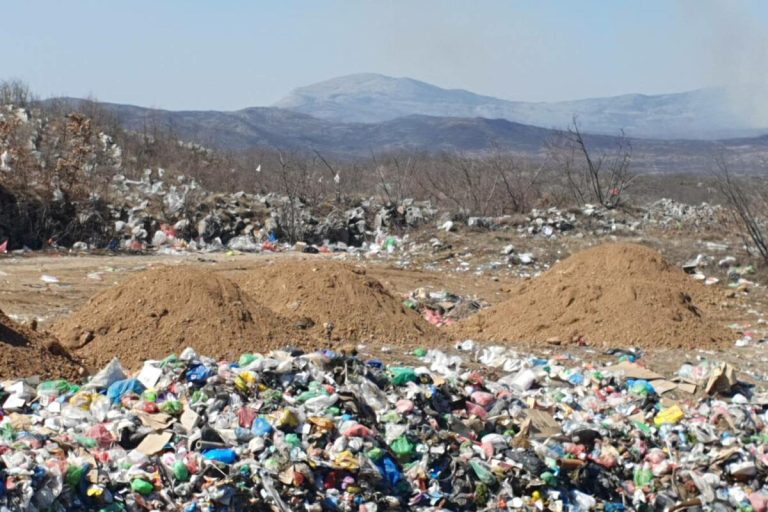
[(117, 389), (224, 455), (198, 374), (388, 468), (261, 427)]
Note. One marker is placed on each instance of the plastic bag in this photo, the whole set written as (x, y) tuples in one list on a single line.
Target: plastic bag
[(118, 389)]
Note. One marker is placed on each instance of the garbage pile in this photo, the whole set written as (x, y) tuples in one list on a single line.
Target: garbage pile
[(552, 222), (158, 210), (596, 220), (704, 264), (441, 307), (182, 214), (408, 214), (673, 214), (324, 431)]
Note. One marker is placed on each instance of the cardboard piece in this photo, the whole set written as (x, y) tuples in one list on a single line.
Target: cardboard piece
[(634, 371), (153, 443), (721, 380), (668, 402), (159, 421), (521, 439), (189, 418), (662, 386), (542, 423), (685, 385)]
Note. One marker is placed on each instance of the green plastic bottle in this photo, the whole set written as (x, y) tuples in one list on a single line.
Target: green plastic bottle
[(180, 471), (482, 472), (142, 487)]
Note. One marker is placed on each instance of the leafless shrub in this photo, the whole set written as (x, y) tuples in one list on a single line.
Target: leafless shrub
[(395, 175), (747, 205), (15, 92), (593, 176), (460, 181), (520, 179)]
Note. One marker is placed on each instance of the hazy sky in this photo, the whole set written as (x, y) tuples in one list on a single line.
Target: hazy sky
[(189, 54)]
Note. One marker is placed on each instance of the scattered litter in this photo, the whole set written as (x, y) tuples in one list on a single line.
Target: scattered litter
[(441, 307), (326, 431)]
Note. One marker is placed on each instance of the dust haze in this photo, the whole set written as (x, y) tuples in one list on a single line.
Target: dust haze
[(736, 57)]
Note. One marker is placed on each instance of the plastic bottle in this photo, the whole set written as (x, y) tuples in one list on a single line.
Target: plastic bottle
[(482, 471), (180, 471), (643, 475), (141, 486)]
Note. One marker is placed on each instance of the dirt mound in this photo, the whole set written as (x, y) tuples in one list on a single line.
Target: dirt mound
[(162, 311), (613, 294), (319, 294), (24, 353)]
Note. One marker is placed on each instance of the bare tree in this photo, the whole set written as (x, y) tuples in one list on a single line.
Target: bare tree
[(747, 207), (601, 177), (17, 93), (335, 177), (395, 174), (520, 181)]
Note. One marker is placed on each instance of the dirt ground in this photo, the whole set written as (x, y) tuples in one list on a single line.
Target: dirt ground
[(467, 263), (25, 296)]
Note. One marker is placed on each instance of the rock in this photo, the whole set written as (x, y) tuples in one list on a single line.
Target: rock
[(85, 338)]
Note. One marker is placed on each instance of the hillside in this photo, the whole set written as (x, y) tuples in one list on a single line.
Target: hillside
[(279, 128)]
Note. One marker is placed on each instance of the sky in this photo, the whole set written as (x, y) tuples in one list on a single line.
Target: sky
[(226, 55)]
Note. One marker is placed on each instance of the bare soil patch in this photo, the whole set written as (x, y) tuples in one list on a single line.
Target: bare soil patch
[(612, 295), (164, 310)]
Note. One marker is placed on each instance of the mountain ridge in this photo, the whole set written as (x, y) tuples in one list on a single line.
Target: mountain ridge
[(707, 113), (270, 127)]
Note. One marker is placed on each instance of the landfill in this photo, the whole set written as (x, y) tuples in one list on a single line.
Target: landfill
[(476, 428)]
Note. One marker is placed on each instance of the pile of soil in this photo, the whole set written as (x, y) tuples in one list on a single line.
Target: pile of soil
[(164, 310), (338, 301), (611, 295), (25, 353)]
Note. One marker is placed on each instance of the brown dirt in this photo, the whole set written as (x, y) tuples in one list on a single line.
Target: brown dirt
[(164, 310), (612, 295), (321, 292), (25, 353)]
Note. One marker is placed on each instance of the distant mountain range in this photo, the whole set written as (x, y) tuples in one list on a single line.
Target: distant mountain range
[(714, 113), (351, 117), (280, 128)]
